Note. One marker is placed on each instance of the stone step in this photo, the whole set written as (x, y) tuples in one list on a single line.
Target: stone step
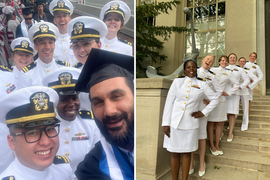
[(244, 143), (239, 159), (252, 124), (255, 117), (253, 111), (251, 133), (259, 106), (216, 171)]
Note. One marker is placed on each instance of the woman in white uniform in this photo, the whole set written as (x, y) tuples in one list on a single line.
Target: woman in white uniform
[(244, 94), (233, 101), (181, 117), (204, 73), (255, 69), (115, 15), (219, 114)]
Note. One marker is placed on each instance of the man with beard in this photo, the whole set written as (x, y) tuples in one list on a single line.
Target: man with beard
[(108, 77)]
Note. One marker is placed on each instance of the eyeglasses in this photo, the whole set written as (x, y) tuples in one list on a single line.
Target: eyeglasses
[(85, 45), (34, 135)]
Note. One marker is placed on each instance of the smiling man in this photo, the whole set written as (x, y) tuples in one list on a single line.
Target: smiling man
[(43, 35), (78, 132), (111, 91), (85, 33), (61, 11), (33, 135)]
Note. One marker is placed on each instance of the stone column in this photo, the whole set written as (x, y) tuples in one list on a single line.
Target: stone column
[(152, 160)]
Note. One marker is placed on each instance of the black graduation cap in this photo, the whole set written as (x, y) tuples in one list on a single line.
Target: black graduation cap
[(102, 65), (27, 10)]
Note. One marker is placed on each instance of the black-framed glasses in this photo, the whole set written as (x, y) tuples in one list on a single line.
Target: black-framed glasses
[(34, 135)]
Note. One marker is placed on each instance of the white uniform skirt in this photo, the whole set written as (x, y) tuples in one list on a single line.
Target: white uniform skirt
[(250, 94), (219, 114), (181, 140), (233, 104)]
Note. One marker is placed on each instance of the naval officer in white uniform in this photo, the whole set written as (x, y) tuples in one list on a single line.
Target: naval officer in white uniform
[(33, 135), (78, 130), (233, 101), (61, 11), (181, 117), (115, 15), (245, 93), (43, 35), (255, 69), (204, 73), (219, 115)]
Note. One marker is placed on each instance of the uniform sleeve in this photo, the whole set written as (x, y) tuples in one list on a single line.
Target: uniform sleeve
[(260, 74), (130, 51), (245, 79), (214, 100), (167, 113), (254, 78), (235, 84), (18, 31)]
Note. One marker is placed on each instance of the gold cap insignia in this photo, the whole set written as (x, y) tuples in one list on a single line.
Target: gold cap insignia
[(114, 6), (65, 78), (40, 100), (44, 28), (24, 44), (78, 27), (60, 4)]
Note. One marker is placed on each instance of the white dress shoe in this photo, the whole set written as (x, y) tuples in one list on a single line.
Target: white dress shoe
[(214, 153), (230, 140), (220, 152), (202, 173), (191, 171)]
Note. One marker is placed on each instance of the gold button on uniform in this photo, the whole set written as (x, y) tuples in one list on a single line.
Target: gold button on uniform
[(66, 142), (63, 39), (186, 97), (67, 129), (187, 91), (188, 86), (65, 60), (67, 154), (190, 81), (64, 50), (183, 109), (48, 70), (107, 45), (185, 103)]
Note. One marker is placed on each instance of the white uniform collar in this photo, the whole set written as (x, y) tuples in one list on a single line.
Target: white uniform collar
[(27, 173), (64, 36), (63, 121), (107, 41), (45, 66)]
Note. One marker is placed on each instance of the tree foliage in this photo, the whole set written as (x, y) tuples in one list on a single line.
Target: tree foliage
[(147, 44)]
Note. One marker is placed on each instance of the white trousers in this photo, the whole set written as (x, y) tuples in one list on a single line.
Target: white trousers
[(245, 106)]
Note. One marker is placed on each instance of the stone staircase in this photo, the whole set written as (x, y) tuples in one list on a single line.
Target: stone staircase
[(247, 157)]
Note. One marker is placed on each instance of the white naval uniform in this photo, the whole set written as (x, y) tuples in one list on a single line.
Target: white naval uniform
[(233, 101), (34, 76), (255, 69), (115, 45), (21, 172), (183, 99), (77, 138), (7, 83), (223, 75), (215, 86), (244, 96), (7, 154), (62, 51)]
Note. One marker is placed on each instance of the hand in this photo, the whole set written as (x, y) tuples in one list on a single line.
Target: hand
[(197, 114), (240, 88), (251, 81), (167, 130), (248, 87), (224, 94), (206, 101)]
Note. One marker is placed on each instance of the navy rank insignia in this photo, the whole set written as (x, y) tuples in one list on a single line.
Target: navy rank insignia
[(62, 63), (9, 178), (40, 101), (60, 4), (65, 78), (29, 67), (78, 27), (78, 65), (61, 159), (86, 114), (114, 6), (44, 28)]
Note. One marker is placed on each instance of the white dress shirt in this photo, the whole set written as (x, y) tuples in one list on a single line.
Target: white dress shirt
[(255, 69), (115, 45)]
